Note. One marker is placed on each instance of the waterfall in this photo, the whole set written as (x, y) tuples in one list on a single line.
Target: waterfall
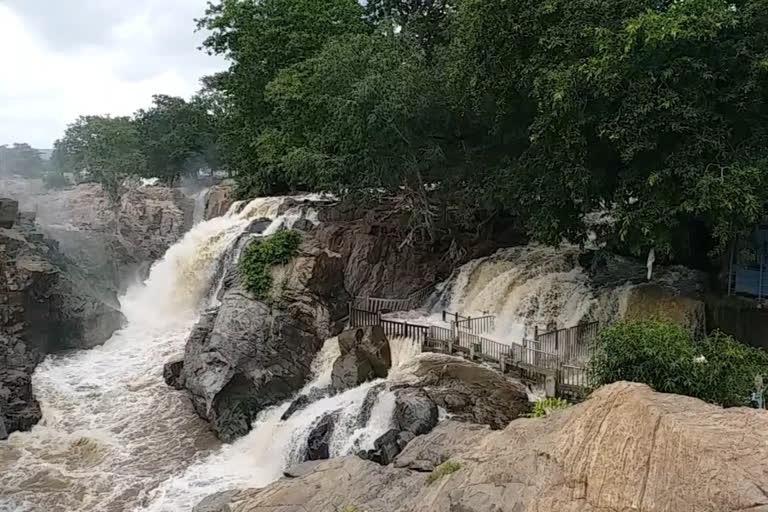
[(524, 287), (273, 445), (112, 431), (201, 202)]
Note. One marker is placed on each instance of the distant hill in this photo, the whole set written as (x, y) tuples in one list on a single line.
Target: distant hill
[(45, 154)]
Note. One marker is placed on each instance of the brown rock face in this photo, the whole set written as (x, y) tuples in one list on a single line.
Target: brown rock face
[(9, 209), (46, 305), (365, 355), (468, 391), (219, 198), (626, 448)]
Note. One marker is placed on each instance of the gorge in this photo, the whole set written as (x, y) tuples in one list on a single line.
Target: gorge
[(114, 436)]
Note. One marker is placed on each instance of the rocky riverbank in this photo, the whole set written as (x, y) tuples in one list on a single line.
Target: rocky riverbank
[(624, 448), (48, 305)]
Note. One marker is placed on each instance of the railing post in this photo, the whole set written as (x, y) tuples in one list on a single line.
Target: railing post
[(405, 329), (535, 332)]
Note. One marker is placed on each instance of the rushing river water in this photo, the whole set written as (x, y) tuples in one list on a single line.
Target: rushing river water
[(115, 438)]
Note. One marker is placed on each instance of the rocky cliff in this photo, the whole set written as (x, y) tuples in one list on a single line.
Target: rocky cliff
[(247, 355), (47, 304), (626, 448)]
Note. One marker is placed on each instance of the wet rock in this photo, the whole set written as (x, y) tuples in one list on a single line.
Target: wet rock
[(9, 209), (302, 401), (365, 355), (219, 502), (626, 448), (173, 374), (386, 448), (303, 469), (447, 440), (415, 411), (3, 430), (469, 391), (319, 439)]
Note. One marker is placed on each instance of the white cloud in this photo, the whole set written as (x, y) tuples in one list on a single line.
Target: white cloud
[(103, 57)]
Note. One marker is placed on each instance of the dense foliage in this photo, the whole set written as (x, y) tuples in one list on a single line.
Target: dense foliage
[(172, 138), (663, 355), (22, 160), (103, 149), (260, 256), (654, 112), (550, 110)]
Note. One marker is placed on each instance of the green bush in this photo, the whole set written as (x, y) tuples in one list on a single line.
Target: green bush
[(726, 375), (663, 355), (545, 406), (446, 468), (261, 255)]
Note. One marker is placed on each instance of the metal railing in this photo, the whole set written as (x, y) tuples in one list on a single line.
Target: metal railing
[(381, 305), (477, 325), (572, 344), (532, 360)]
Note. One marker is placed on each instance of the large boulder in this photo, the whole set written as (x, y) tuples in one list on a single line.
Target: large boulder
[(468, 391), (243, 358), (626, 448), (9, 210), (365, 355), (415, 411), (319, 439), (219, 198), (445, 441)]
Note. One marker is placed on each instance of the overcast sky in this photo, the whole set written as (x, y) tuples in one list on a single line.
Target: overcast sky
[(65, 58)]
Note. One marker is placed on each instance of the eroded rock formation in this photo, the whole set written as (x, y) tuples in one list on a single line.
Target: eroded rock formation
[(47, 304), (626, 448)]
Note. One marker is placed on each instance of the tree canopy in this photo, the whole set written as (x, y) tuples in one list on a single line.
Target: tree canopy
[(104, 149), (547, 112), (22, 160)]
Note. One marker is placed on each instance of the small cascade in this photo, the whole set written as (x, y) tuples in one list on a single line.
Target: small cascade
[(524, 287), (403, 350), (273, 445), (201, 203)]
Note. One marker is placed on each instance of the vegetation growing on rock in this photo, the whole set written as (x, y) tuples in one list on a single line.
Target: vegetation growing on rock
[(261, 255), (718, 369), (444, 469), (545, 406)]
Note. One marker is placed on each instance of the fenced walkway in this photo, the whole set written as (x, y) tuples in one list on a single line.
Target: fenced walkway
[(557, 359)]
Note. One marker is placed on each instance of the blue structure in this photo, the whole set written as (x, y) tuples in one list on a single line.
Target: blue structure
[(748, 274)]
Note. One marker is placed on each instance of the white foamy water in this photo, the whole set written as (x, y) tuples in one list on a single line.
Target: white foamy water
[(274, 445), (112, 431), (524, 287)]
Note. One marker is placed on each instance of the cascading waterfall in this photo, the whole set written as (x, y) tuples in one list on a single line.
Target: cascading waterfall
[(524, 287), (201, 201), (112, 431)]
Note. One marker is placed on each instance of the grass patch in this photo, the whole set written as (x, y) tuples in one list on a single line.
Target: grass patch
[(446, 468), (263, 254), (545, 406)]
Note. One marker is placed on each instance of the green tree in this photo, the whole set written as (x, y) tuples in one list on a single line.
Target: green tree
[(102, 149), (426, 21), (22, 160), (177, 137), (661, 354), (260, 38), (654, 110)]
